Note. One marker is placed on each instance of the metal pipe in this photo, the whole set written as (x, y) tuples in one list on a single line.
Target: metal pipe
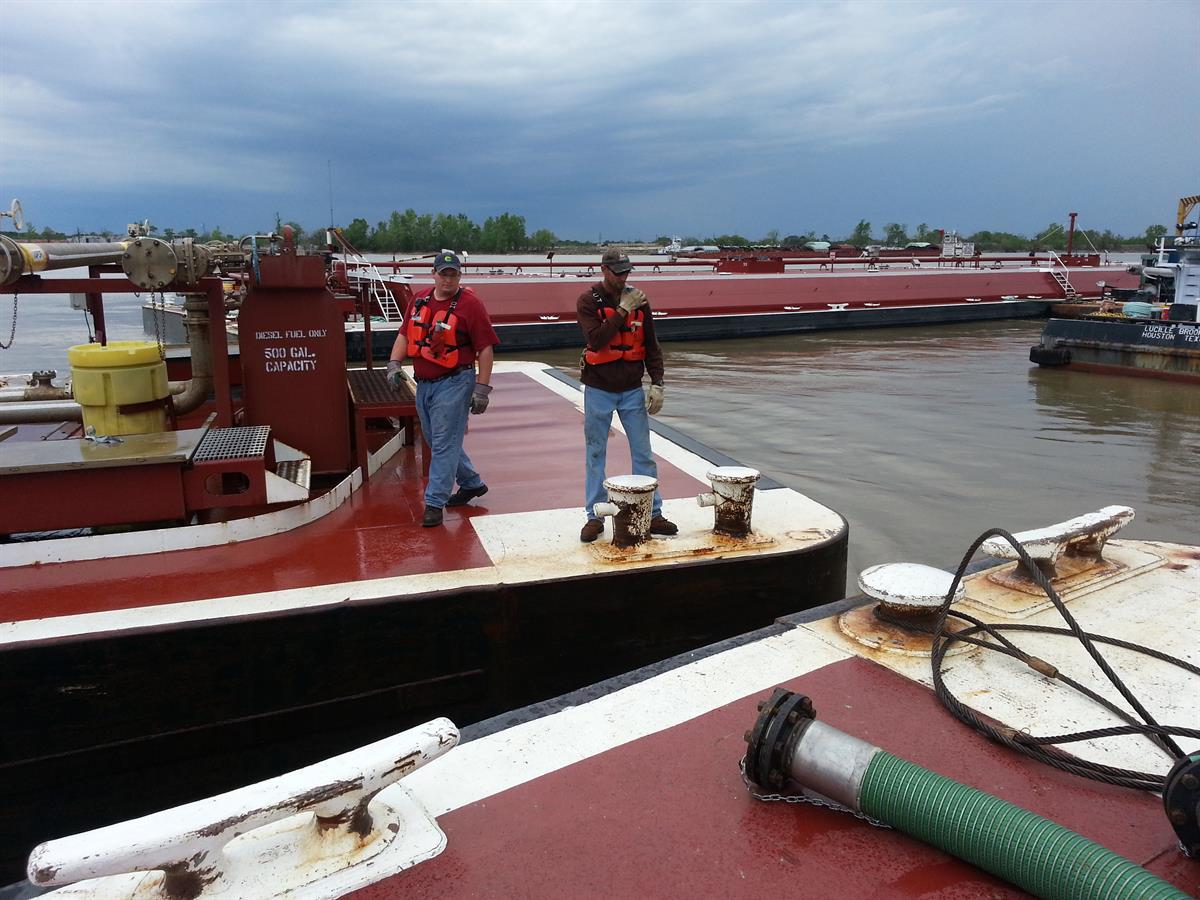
[(40, 386), (190, 394), (22, 258), (35, 394), (40, 411)]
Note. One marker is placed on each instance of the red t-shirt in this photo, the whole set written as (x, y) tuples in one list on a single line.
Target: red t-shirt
[(474, 330)]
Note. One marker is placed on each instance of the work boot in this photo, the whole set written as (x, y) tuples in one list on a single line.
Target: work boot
[(592, 529), (432, 517), (463, 496), (662, 525)]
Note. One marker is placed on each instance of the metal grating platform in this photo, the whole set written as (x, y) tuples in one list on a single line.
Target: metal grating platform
[(247, 442), (370, 388)]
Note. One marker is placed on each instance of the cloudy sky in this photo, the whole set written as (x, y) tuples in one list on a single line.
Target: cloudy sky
[(614, 119)]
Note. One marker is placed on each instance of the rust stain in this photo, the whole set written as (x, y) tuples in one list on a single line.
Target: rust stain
[(44, 874), (630, 526), (323, 793), (732, 518), (864, 626), (224, 825), (406, 763), (811, 534), (1068, 570), (360, 822), (357, 817), (186, 880)]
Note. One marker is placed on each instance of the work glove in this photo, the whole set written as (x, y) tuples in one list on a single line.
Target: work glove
[(395, 375), (631, 299), (654, 399), (479, 398)]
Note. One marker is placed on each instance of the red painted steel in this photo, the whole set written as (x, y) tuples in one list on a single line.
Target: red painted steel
[(47, 501), (667, 816), (214, 484), (516, 300), (293, 352), (376, 534)]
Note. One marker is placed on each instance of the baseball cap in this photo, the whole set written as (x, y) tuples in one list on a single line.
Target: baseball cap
[(447, 261), (617, 261)]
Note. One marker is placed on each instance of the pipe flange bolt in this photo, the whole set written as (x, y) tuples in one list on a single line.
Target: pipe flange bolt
[(781, 722)]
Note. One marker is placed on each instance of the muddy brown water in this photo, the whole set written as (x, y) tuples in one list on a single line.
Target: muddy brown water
[(923, 438)]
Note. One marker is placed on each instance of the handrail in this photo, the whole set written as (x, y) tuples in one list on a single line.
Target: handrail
[(377, 289)]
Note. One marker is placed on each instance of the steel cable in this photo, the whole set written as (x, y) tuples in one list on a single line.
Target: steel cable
[(1041, 748)]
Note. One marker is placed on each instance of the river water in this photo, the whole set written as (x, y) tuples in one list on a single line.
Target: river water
[(921, 437)]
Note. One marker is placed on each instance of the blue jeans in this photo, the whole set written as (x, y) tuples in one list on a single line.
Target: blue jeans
[(598, 409), (443, 407)]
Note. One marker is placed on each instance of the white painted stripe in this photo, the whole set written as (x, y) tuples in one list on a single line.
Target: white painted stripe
[(524, 548), (185, 537), (1158, 608), (522, 753)]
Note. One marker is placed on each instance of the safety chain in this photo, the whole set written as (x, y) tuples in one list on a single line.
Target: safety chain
[(158, 312), (12, 332), (804, 798)]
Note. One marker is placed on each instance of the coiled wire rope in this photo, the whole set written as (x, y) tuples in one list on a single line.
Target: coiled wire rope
[(1042, 748)]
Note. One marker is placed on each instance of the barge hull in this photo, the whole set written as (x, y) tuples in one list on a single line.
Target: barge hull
[(1154, 349), (522, 336), (203, 708)]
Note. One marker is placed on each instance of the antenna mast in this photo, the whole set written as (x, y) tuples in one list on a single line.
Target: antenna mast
[(329, 167)]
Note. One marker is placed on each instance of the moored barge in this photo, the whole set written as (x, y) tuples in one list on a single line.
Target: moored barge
[(246, 586), (1001, 730), (1157, 334), (733, 294)]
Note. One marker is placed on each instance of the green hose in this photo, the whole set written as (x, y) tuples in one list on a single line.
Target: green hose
[(1012, 843)]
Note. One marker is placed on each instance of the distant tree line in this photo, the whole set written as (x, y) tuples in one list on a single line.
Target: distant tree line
[(409, 231), (1053, 237), (412, 232)]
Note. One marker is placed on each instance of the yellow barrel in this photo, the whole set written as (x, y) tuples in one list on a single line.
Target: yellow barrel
[(104, 378)]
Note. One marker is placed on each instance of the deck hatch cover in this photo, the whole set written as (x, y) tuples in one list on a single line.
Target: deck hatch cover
[(245, 442)]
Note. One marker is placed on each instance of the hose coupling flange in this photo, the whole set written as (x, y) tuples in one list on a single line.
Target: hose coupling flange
[(782, 721)]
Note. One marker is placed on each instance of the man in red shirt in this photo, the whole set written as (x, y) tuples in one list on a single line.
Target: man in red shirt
[(447, 332)]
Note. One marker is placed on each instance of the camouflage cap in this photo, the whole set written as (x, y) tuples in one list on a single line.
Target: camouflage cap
[(617, 261)]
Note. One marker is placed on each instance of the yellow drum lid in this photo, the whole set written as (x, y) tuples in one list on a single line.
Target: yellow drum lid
[(116, 355)]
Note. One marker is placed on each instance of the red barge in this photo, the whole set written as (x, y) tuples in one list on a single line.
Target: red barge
[(761, 292), (244, 586), (734, 294), (1024, 725)]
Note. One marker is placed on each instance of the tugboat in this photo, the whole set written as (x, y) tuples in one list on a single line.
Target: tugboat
[(1156, 333)]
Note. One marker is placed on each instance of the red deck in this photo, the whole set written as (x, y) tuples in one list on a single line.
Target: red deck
[(668, 815), (528, 446)]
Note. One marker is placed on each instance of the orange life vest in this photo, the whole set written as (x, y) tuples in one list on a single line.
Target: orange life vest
[(434, 334), (628, 343)]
